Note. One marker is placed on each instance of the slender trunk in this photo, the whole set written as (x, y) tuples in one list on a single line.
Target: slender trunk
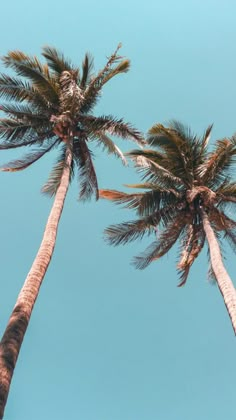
[(13, 336), (224, 282)]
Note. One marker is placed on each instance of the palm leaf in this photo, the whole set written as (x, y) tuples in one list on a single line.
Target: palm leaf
[(87, 68), (56, 60), (27, 160), (144, 203), (32, 69), (193, 243), (109, 124), (87, 175), (162, 245), (53, 182), (130, 231), (155, 173), (110, 147), (219, 162), (12, 88)]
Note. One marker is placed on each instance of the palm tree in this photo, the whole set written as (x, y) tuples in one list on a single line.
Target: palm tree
[(50, 105), (189, 193)]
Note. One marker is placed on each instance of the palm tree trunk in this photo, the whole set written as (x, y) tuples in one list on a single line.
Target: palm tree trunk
[(13, 336), (224, 282)]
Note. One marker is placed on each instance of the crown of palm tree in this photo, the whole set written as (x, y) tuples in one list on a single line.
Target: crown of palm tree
[(51, 105), (183, 180)]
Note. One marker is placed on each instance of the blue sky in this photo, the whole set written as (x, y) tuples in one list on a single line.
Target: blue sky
[(107, 342)]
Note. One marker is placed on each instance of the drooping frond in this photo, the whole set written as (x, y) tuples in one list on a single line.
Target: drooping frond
[(17, 131), (87, 175), (17, 90), (192, 244), (111, 148), (27, 160), (53, 182), (166, 239), (56, 60), (130, 231)]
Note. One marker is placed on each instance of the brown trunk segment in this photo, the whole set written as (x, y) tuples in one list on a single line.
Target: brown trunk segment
[(17, 325), (224, 282)]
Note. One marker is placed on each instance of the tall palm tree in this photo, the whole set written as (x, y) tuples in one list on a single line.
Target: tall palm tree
[(50, 105), (188, 197)]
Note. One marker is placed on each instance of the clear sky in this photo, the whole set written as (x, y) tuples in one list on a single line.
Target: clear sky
[(107, 342)]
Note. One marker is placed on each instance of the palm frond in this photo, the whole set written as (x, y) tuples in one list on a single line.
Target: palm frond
[(26, 112), (155, 173), (92, 92), (56, 60), (111, 125), (193, 243), (32, 69), (27, 160), (144, 203), (53, 182), (14, 130), (219, 162), (87, 175), (130, 231), (176, 140), (87, 68), (226, 192), (206, 138), (162, 245), (110, 146)]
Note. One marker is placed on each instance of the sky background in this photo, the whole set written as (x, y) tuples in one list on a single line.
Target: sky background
[(106, 342)]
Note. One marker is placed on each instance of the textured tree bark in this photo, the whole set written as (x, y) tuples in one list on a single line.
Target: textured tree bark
[(13, 336), (224, 282)]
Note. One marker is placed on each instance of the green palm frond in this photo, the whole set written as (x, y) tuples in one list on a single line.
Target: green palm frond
[(56, 60), (87, 175), (130, 231), (27, 160), (93, 90), (53, 182), (108, 145), (216, 167), (165, 240), (192, 243), (12, 130), (227, 192), (20, 131), (144, 203), (87, 68), (31, 68), (111, 125), (177, 144), (205, 139), (26, 112), (155, 173)]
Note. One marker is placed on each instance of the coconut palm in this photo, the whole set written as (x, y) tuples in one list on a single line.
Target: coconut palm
[(50, 105), (189, 193)]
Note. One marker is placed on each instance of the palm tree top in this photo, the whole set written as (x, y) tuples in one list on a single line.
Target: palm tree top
[(182, 179), (50, 104)]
